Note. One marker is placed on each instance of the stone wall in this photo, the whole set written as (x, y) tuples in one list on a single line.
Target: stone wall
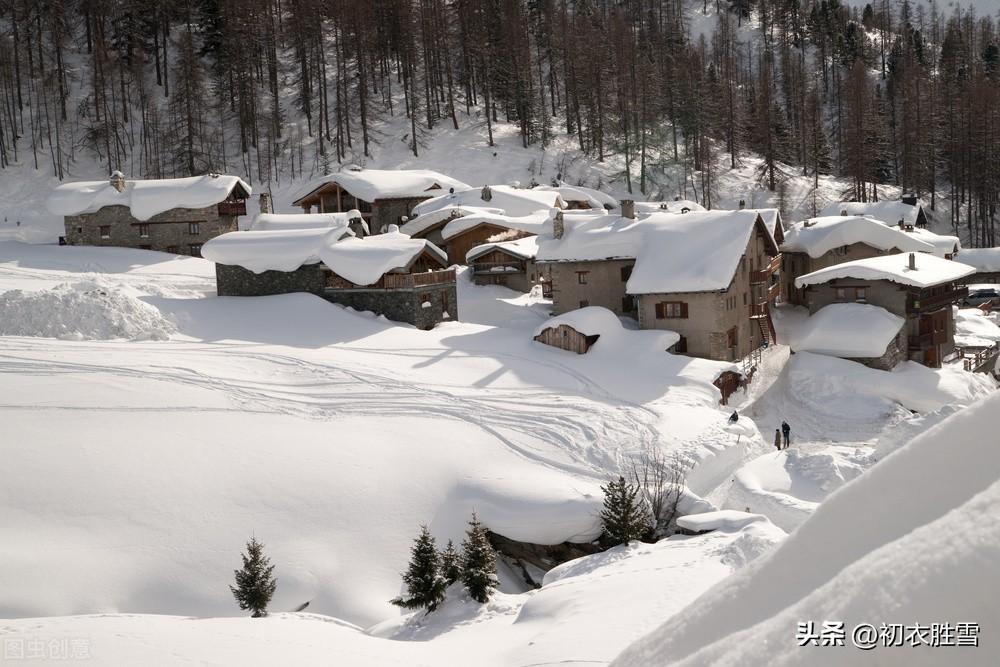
[(237, 281), (895, 353), (604, 285), (387, 212), (167, 232)]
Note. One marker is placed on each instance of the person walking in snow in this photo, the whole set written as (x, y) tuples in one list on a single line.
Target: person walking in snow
[(777, 439), (786, 430), (733, 418)]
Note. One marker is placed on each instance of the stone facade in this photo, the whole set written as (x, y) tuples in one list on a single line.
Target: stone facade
[(602, 284), (387, 212), (796, 264), (398, 304), (181, 230), (895, 352)]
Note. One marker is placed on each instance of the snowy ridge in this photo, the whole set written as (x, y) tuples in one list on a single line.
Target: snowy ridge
[(536, 223)]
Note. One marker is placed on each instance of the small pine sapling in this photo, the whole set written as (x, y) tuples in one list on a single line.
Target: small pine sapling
[(479, 565), (624, 516), (424, 584), (255, 583)]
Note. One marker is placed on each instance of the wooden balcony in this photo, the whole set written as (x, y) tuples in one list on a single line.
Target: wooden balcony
[(764, 275), (758, 310), (916, 302), (926, 340), (396, 281), (232, 208)]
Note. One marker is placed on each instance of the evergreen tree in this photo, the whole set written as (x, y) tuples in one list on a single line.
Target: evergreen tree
[(451, 565), (479, 566), (424, 583), (255, 582), (625, 516)]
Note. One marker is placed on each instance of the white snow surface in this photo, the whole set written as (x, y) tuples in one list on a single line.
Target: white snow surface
[(674, 206), (818, 236), (694, 252), (144, 198), (425, 221), (718, 520), (515, 202), (888, 211), (916, 540), (595, 199), (982, 259), (599, 321), (372, 184), (595, 236), (850, 330), (525, 248), (973, 328), (930, 271), (364, 261), (270, 222), (539, 222), (944, 244)]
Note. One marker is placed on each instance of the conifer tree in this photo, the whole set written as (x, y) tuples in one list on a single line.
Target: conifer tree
[(479, 565), (451, 565), (624, 516), (424, 584), (255, 583)]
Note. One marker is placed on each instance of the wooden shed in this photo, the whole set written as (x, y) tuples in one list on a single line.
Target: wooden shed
[(567, 338)]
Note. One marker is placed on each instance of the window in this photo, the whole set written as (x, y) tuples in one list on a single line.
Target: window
[(852, 293), (584, 303), (671, 309), (744, 298), (581, 277), (79, 230), (194, 228), (172, 249), (626, 273), (733, 337), (195, 249), (144, 231), (105, 231), (628, 304)]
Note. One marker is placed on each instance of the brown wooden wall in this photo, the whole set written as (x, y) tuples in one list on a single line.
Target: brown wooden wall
[(566, 338), (459, 246)]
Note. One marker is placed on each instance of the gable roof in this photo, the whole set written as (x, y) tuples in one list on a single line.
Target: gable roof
[(818, 236), (510, 201), (888, 211), (146, 197), (595, 199), (539, 222), (431, 220), (930, 271), (361, 261), (695, 252), (371, 184), (524, 248)]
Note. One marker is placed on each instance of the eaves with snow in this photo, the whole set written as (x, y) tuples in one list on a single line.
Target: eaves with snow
[(929, 271), (146, 198), (523, 248), (818, 236), (514, 202), (372, 184), (984, 260), (539, 222)]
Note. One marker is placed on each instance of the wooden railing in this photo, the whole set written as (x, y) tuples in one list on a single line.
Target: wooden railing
[(232, 208), (916, 303), (979, 357), (498, 267), (758, 310), (411, 280), (764, 275), (932, 338)]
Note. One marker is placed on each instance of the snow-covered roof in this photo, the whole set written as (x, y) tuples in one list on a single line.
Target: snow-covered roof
[(696, 252), (599, 321), (431, 219), (539, 222), (372, 184), (597, 236), (973, 328), (984, 260), (848, 330), (361, 261), (525, 248), (719, 520), (930, 271), (675, 206), (510, 201), (891, 212), (269, 222), (579, 193), (818, 236), (944, 244), (144, 198)]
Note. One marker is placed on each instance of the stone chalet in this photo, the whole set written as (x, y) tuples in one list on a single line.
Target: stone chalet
[(817, 243), (383, 197), (390, 274), (709, 276), (176, 215), (917, 287)]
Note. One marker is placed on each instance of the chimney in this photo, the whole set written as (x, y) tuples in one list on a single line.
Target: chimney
[(743, 204), (628, 208), (265, 202), (902, 224), (558, 225), (118, 180), (913, 261), (910, 199), (843, 211)]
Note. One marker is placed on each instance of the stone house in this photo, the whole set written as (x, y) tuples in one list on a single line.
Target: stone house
[(711, 277), (817, 243), (390, 274), (382, 197), (920, 288), (177, 215)]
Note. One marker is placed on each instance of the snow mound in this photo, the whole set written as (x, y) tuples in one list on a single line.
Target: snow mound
[(599, 321), (973, 328), (934, 561), (852, 330), (720, 520), (84, 310)]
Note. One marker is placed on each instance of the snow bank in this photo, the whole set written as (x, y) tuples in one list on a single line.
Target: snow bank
[(718, 239), (87, 309), (917, 539), (930, 271), (851, 330), (818, 236), (372, 184), (973, 328), (144, 198), (719, 520), (834, 386)]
